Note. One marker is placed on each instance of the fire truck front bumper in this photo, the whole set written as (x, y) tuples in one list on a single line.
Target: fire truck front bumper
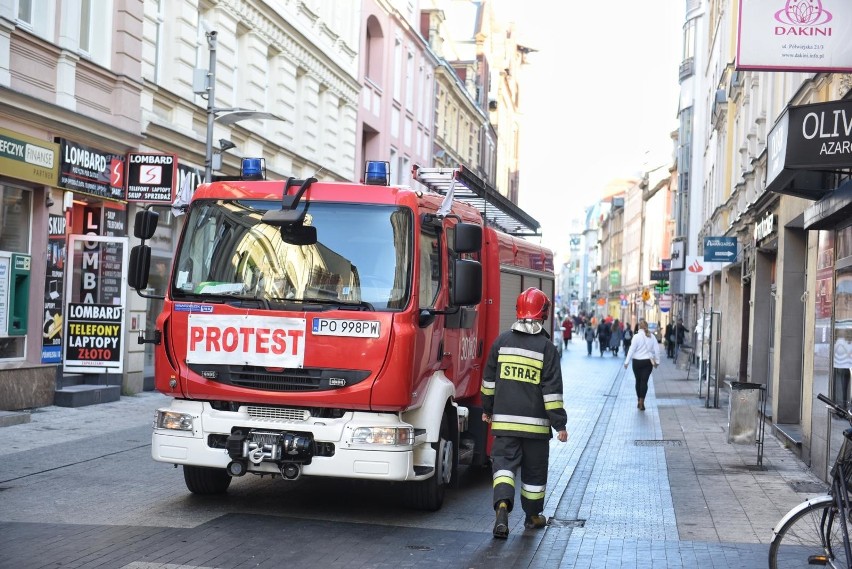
[(376, 446)]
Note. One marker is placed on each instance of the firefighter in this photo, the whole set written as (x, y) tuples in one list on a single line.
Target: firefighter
[(522, 399)]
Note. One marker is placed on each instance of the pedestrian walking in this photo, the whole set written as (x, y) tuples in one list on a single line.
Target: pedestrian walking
[(627, 336), (615, 337), (522, 399), (669, 339), (589, 335), (680, 336), (567, 328), (604, 331), (645, 353)]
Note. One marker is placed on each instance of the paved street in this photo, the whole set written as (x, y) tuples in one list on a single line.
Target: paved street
[(659, 488)]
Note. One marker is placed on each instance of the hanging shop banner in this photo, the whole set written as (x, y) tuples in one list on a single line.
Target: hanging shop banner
[(786, 35), (93, 340), (151, 177), (27, 158), (51, 344), (90, 171)]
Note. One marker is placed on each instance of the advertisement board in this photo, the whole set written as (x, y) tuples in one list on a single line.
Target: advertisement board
[(786, 35)]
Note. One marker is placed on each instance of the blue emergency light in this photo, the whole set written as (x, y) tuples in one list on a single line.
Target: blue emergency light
[(377, 173), (253, 169)]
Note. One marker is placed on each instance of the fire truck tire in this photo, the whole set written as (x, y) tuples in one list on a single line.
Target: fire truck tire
[(201, 480), (429, 494)]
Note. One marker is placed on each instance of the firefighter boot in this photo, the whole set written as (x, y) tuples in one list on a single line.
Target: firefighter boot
[(535, 522), (501, 524)]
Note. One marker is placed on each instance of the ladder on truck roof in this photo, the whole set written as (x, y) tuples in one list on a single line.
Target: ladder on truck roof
[(496, 209)]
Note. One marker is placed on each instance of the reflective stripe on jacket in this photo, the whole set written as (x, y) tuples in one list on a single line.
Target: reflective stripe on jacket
[(522, 386)]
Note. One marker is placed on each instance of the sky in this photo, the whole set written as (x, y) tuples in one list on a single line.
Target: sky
[(599, 101)]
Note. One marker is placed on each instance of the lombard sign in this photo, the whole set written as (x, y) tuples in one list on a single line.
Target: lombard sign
[(794, 35), (809, 138), (151, 177), (91, 171)]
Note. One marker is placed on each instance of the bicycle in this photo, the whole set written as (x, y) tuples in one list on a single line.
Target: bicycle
[(816, 532)]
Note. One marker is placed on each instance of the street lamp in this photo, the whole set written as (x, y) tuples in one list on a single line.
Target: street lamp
[(234, 114)]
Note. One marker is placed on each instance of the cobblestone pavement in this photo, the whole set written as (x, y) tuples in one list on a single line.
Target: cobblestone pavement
[(655, 489)]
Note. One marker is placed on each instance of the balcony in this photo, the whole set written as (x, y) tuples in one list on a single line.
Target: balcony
[(687, 68)]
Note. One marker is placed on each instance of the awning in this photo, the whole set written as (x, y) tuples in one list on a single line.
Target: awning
[(807, 146), (830, 210)]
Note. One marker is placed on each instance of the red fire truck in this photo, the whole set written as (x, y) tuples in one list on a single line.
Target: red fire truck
[(335, 329)]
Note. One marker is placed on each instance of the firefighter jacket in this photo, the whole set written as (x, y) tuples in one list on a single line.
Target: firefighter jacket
[(522, 386)]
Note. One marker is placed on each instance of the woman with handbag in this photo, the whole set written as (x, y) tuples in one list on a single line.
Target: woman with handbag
[(645, 353)]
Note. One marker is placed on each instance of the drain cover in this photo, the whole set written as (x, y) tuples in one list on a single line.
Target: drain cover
[(806, 487), (566, 523), (658, 443), (419, 547)]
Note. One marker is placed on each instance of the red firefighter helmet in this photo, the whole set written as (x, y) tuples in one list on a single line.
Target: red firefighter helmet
[(532, 304)]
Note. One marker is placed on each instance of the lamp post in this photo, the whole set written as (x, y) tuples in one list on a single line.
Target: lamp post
[(234, 114)]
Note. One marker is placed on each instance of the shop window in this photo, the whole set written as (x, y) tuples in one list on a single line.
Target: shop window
[(841, 355), (15, 223)]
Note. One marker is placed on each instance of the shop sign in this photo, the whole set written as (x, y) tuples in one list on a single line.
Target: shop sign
[(719, 249), (782, 35), (26, 158), (678, 260), (809, 138), (89, 171), (615, 277), (151, 177), (94, 337), (51, 344), (765, 227)]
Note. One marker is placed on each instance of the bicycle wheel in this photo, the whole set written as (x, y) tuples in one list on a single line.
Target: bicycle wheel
[(798, 542)]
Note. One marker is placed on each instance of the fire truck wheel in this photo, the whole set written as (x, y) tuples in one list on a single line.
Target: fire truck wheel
[(429, 494), (201, 480)]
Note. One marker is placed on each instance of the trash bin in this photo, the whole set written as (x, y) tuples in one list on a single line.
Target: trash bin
[(743, 413)]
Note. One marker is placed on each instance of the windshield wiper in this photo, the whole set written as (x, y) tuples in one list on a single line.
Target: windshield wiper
[(342, 304)]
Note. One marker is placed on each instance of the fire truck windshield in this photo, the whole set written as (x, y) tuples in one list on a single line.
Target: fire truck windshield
[(362, 255)]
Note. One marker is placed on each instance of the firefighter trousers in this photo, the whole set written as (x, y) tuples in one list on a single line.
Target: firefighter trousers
[(531, 456)]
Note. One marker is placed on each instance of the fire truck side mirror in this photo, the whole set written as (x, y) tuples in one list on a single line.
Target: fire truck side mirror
[(467, 238), (140, 267), (467, 282), (145, 224)]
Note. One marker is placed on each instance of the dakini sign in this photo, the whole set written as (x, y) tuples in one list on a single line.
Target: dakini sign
[(795, 35)]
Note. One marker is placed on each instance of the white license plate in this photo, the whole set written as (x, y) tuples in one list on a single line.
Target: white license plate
[(341, 327)]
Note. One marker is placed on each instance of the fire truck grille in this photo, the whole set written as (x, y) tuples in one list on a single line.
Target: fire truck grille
[(279, 413), (282, 380)]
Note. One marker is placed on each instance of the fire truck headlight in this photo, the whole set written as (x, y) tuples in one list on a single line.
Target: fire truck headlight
[(173, 420), (397, 436)]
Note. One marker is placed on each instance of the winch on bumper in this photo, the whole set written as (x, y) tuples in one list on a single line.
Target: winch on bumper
[(376, 446), (289, 451)]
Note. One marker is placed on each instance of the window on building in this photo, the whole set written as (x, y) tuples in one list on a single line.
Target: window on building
[(95, 35), (37, 16), (409, 82), (159, 39), (397, 70)]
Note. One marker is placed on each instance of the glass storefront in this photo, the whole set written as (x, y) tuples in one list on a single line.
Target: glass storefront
[(15, 231)]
